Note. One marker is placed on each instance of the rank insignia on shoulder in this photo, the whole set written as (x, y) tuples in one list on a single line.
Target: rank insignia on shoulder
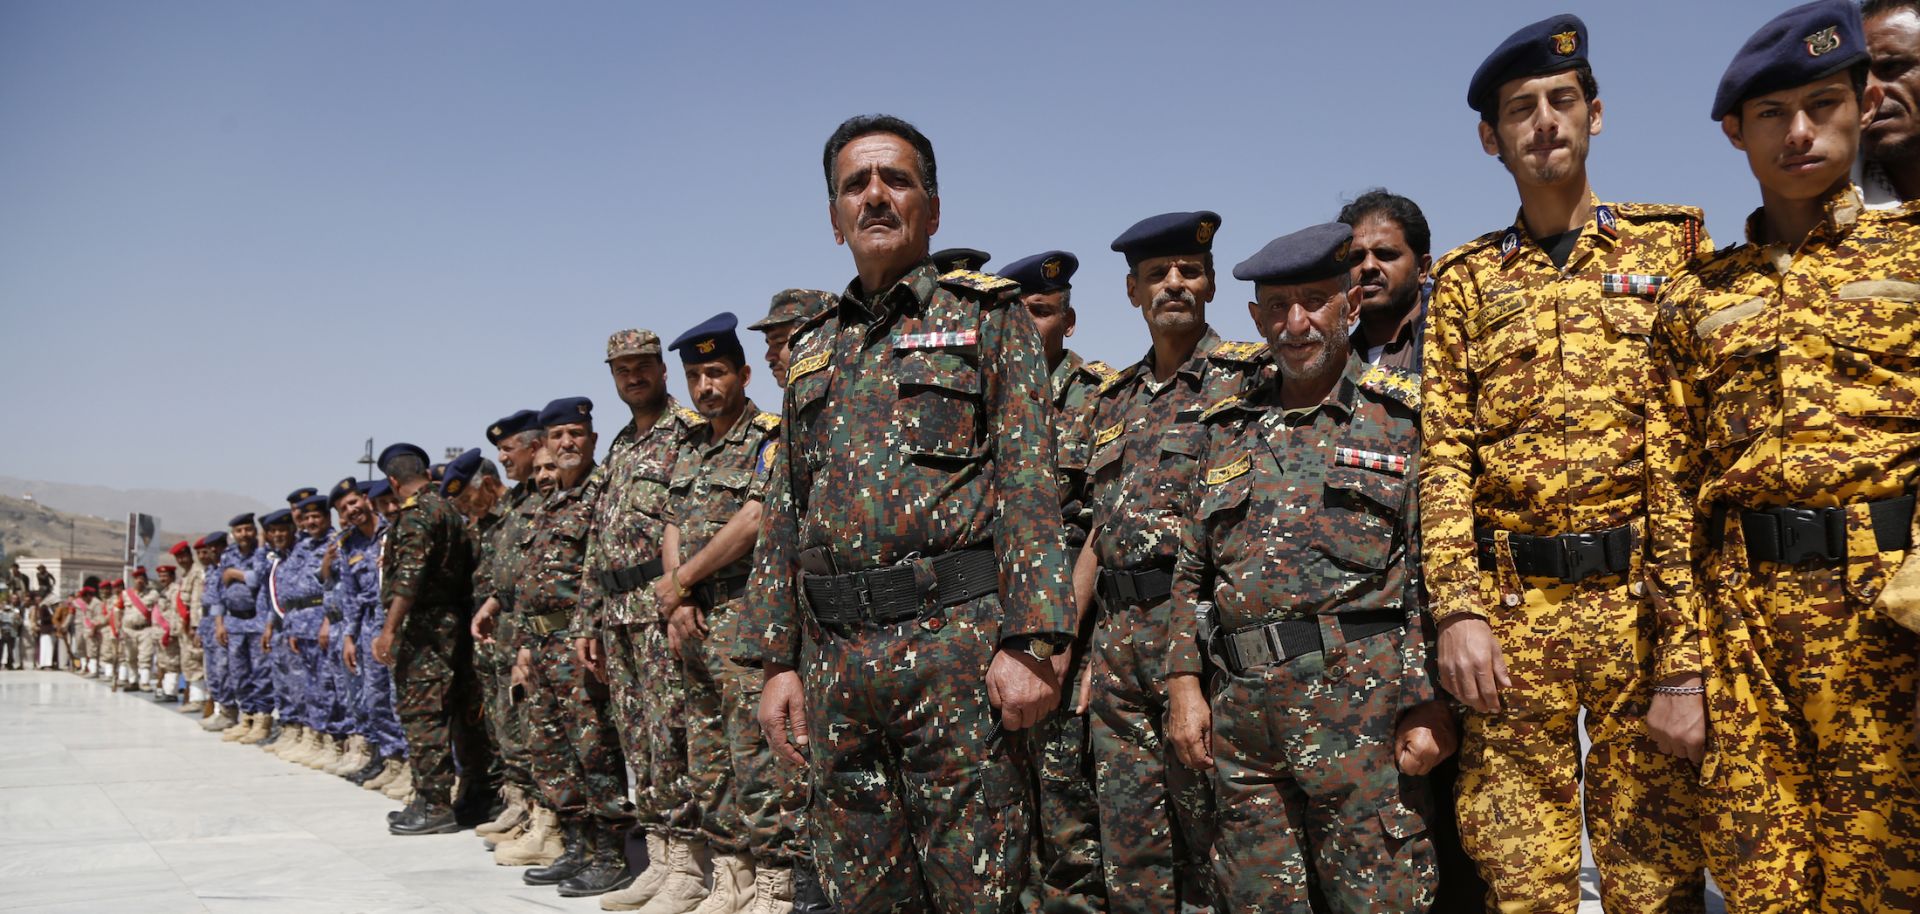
[(1234, 470), (412, 500), (939, 340), (689, 416), (1370, 460), (1632, 283), (1220, 407), (1509, 247), (1107, 434), (974, 279), (1234, 350), (1394, 383), (1102, 370), (1607, 222), (766, 422), (808, 365)]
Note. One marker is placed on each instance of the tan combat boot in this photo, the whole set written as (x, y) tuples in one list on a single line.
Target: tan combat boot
[(686, 885), (539, 845), (512, 814), (388, 773), (647, 884), (492, 842), (310, 741), (242, 725), (331, 748), (401, 786), (351, 760), (290, 737), (772, 890), (733, 884), (262, 724)]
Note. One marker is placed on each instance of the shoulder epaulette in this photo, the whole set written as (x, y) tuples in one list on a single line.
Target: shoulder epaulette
[(1220, 407), (978, 281), (412, 500), (1640, 211), (1101, 370), (689, 416), (1463, 251), (1394, 383), (1107, 384), (766, 421), (1236, 351)]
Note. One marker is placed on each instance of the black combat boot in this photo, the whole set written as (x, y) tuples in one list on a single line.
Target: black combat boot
[(607, 869), (427, 818), (572, 859), (374, 766)]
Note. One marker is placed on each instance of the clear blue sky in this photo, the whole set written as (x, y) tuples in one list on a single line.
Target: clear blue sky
[(237, 238)]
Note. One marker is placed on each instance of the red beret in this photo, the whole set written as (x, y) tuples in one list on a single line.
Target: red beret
[(139, 571), (181, 548)]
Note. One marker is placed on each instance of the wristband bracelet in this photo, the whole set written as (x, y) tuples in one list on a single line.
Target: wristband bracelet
[(1680, 690)]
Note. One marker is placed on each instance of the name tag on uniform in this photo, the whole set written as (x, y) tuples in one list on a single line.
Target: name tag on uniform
[(1107, 434), (939, 340), (1631, 283), (1370, 460), (1233, 470), (808, 365), (355, 559)]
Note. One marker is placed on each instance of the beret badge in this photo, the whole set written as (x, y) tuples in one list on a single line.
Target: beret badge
[(1565, 43), (1824, 41)]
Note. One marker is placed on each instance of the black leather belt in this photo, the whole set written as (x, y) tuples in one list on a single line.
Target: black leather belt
[(1797, 536), (1277, 642), (1124, 587), (1569, 557), (894, 593), (243, 616), (302, 603), (714, 594), (631, 578)]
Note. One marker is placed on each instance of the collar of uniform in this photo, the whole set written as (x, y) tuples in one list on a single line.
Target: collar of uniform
[(912, 289), (569, 493), (1843, 207), (1340, 398), (738, 432), (1195, 363), (1057, 380), (1602, 226)]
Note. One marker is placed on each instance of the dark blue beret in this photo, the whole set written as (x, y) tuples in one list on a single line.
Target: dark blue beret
[(460, 471), (315, 500), (216, 539), (510, 426), (366, 485), (1168, 234), (1049, 271), (298, 495), (437, 472), (379, 488), (1548, 46), (1807, 43), (341, 488), (282, 516), (567, 411), (947, 260), (241, 520), (712, 340), (401, 449), (1308, 255)]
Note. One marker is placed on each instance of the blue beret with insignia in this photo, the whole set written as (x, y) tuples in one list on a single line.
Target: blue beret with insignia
[(1308, 255), (217, 539), (282, 516), (316, 500), (512, 425), (301, 494), (1804, 44), (1050, 271), (437, 472), (241, 520), (712, 340), (341, 490), (1167, 235), (1548, 46), (947, 260), (398, 450), (567, 411), (366, 485), (379, 488), (460, 472)]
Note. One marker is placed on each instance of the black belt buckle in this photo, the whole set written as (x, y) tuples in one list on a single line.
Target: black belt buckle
[(1810, 533), (1120, 588), (1585, 555)]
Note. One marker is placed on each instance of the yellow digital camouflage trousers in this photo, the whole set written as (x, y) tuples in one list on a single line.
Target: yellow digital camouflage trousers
[(1812, 779), (1569, 646)]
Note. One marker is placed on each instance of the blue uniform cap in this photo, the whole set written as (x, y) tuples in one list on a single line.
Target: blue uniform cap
[(399, 449), (711, 341), (315, 500), (379, 488), (282, 516), (512, 425), (1548, 46), (1168, 234), (1308, 255), (567, 411), (217, 539), (241, 520), (304, 492), (1807, 43), (947, 260), (366, 485), (1049, 271), (340, 490), (460, 471), (437, 472)]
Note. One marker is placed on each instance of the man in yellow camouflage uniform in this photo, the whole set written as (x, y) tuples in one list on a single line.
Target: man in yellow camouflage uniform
[(1531, 489), (1784, 461)]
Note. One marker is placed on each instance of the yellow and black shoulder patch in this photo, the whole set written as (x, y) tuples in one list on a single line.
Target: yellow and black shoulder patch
[(1237, 351), (1107, 434), (1102, 370), (1107, 384), (1228, 472), (688, 416), (766, 421), (808, 365), (978, 281), (1392, 382), (1220, 407), (412, 500)]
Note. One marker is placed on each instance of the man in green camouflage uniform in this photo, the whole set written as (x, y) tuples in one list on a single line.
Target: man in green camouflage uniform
[(1067, 877), (916, 531), (1298, 576)]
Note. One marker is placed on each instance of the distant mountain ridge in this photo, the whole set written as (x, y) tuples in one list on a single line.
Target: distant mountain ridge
[(199, 511), (29, 528)]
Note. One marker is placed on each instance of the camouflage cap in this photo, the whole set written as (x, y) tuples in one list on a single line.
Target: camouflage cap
[(791, 306), (632, 342)]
